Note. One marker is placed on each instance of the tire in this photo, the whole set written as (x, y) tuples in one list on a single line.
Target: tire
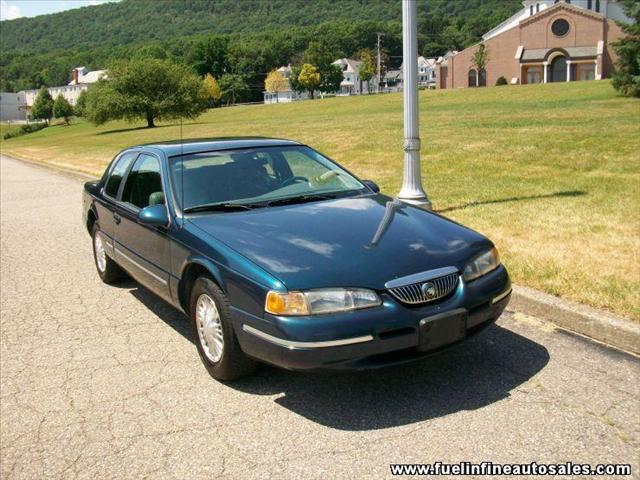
[(216, 341), (108, 270)]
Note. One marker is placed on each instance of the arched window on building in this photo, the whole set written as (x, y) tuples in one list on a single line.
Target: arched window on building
[(537, 7), (531, 10), (473, 78), (482, 78), (598, 6), (589, 4)]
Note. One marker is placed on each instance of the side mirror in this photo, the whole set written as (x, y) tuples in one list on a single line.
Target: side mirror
[(155, 215), (372, 185)]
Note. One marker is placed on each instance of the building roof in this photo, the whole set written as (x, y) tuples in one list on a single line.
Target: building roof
[(352, 66), (541, 54), (88, 77), (201, 145), (393, 75)]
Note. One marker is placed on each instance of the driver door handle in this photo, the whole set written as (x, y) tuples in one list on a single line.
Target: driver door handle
[(116, 218)]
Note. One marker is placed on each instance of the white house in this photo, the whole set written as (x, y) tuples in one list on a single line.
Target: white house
[(81, 79), (351, 83), (286, 96), (427, 72)]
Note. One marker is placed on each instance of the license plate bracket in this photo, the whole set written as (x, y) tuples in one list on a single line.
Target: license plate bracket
[(442, 329)]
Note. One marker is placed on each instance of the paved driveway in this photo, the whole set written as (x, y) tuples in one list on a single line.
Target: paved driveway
[(104, 382)]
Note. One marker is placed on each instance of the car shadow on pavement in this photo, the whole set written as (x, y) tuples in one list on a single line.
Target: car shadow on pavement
[(474, 374)]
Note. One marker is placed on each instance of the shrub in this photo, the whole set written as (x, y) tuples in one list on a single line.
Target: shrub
[(502, 81), (24, 129)]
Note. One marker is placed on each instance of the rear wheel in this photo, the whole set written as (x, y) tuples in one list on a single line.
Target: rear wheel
[(108, 270), (216, 342)]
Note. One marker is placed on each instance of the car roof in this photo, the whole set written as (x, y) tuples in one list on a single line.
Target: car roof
[(200, 145)]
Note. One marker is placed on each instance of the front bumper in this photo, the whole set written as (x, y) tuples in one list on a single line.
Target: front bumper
[(370, 338)]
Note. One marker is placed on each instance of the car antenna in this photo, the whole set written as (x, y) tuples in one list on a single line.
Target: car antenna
[(181, 171)]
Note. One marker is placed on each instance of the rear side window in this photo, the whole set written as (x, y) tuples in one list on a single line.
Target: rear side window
[(143, 186), (115, 178)]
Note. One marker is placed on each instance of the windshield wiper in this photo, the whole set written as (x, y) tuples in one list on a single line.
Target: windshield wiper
[(299, 199), (212, 207)]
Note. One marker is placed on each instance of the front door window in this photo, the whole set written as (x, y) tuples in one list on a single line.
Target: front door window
[(558, 70)]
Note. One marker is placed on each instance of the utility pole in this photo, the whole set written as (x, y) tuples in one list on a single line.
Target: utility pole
[(411, 191), (378, 70)]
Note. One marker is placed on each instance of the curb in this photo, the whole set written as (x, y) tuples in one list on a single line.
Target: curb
[(68, 172), (590, 322)]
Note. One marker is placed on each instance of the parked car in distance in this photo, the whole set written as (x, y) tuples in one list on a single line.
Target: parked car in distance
[(277, 254)]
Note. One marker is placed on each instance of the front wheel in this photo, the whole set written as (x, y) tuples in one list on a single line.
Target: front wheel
[(108, 270), (216, 342)]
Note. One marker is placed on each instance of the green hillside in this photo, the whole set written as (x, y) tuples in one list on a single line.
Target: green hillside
[(43, 50), (142, 21), (530, 166)]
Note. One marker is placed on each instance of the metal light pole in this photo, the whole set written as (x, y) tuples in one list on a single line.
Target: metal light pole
[(411, 191)]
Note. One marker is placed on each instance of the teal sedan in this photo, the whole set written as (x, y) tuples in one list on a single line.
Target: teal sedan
[(277, 254)]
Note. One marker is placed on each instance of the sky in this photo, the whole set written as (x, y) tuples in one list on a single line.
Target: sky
[(10, 9)]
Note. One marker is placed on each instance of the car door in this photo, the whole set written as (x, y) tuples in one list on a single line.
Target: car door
[(144, 250), (105, 207)]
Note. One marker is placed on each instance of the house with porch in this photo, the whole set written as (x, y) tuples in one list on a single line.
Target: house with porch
[(546, 41)]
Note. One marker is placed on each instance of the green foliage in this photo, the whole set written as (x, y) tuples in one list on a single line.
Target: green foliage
[(330, 78), (502, 81), (146, 89), (233, 87), (309, 78), (481, 57), (80, 109), (626, 78), (62, 109), (42, 106), (248, 38), (24, 129), (368, 65), (211, 89)]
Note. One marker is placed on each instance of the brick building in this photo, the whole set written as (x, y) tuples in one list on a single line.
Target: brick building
[(547, 41)]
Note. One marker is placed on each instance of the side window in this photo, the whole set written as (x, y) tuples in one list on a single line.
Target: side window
[(118, 171), (143, 186)]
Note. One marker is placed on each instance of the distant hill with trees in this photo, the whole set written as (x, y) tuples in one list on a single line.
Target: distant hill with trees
[(240, 37)]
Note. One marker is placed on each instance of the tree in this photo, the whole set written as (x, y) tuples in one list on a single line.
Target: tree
[(233, 87), (43, 106), (626, 78), (293, 80), (80, 109), (211, 89), (149, 89), (480, 59), (331, 79), (62, 109), (368, 66), (275, 82), (321, 56), (309, 78)]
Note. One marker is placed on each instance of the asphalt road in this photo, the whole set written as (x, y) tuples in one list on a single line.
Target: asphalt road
[(104, 382)]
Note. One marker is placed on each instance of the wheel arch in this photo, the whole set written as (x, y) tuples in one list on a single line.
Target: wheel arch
[(92, 218), (193, 269)]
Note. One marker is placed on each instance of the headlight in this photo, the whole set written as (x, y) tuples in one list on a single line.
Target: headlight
[(481, 265), (315, 302)]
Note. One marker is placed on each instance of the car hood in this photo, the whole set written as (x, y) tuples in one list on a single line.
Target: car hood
[(358, 242)]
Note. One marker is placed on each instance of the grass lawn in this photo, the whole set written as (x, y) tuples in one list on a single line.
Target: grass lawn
[(551, 173)]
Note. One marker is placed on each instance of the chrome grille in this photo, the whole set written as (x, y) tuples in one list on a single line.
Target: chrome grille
[(436, 288)]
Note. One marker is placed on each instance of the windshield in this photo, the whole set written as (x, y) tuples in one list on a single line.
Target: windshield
[(257, 175)]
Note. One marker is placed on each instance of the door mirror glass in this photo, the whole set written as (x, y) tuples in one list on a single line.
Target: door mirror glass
[(155, 215), (372, 185)]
